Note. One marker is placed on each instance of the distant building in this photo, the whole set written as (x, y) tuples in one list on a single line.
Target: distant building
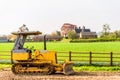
[(81, 32), (3, 39), (86, 35), (66, 28), (48, 38)]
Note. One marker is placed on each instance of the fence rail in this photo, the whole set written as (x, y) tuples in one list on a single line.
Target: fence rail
[(98, 58)]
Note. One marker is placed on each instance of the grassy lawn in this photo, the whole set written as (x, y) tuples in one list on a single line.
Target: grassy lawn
[(62, 46), (97, 46), (5, 66), (74, 47), (96, 68)]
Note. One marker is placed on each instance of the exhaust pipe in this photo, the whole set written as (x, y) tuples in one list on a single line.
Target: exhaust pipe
[(44, 42)]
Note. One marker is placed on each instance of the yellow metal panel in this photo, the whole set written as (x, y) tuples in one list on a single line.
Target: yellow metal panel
[(46, 56), (20, 56), (50, 55)]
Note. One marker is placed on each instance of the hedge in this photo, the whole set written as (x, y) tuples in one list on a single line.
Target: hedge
[(95, 40)]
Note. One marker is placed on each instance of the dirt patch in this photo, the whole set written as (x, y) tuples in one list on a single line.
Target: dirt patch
[(8, 75)]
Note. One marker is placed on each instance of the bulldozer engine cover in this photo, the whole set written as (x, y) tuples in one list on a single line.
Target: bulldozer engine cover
[(68, 68), (20, 56)]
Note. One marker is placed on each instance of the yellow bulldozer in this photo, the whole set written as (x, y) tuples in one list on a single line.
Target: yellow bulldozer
[(25, 60)]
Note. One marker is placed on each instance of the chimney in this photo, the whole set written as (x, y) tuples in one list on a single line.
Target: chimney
[(83, 29)]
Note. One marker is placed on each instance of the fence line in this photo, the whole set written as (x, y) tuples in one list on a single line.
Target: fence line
[(98, 58), (101, 58)]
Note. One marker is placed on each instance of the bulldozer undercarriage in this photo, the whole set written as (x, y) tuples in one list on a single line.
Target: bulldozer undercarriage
[(42, 69)]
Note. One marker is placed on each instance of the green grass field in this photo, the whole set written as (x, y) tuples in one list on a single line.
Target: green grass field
[(60, 46), (74, 47)]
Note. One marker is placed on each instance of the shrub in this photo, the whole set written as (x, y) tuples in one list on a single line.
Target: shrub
[(95, 40)]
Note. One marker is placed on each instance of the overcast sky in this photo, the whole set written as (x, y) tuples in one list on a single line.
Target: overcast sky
[(49, 15)]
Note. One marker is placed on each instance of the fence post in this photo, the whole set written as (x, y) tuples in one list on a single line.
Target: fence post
[(111, 58), (70, 55), (90, 60)]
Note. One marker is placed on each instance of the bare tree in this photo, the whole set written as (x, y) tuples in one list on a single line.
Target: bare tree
[(106, 28), (106, 31)]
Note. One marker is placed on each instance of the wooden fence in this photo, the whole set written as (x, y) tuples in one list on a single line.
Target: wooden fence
[(97, 58), (5, 57)]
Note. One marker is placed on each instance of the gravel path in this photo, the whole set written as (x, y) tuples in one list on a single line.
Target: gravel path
[(8, 75)]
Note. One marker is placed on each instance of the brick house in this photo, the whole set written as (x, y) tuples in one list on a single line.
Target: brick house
[(81, 32), (66, 28)]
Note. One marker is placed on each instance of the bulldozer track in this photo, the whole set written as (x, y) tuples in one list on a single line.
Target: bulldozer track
[(21, 68)]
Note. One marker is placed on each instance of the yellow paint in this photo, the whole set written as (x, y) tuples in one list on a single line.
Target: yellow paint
[(20, 56), (45, 56), (41, 57)]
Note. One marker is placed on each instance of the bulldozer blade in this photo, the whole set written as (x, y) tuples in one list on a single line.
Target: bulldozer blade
[(68, 68)]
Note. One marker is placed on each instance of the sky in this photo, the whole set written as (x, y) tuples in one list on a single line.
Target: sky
[(49, 15)]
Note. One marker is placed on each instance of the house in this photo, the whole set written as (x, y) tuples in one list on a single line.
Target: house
[(81, 32), (66, 28), (86, 35)]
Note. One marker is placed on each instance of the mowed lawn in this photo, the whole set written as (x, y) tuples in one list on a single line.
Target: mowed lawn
[(61, 46), (76, 47)]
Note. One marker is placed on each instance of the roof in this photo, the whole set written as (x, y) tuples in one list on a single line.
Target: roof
[(78, 30), (27, 33), (48, 37), (68, 25)]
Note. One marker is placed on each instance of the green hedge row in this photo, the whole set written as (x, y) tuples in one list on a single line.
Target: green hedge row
[(95, 40)]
